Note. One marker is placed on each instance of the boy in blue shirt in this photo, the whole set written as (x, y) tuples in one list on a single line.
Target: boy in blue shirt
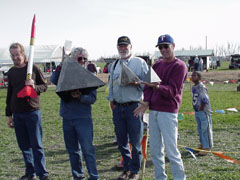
[(202, 108)]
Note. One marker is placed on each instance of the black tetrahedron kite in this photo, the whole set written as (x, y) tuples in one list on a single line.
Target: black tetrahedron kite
[(73, 76), (151, 76)]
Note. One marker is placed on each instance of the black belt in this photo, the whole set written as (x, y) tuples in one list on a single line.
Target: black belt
[(124, 104)]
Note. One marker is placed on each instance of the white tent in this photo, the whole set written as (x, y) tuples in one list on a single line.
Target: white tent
[(42, 54)]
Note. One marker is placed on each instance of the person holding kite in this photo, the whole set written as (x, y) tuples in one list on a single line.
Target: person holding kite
[(124, 96), (163, 100), (76, 112)]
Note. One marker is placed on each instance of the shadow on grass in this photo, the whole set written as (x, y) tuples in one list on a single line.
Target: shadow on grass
[(104, 151), (59, 161), (17, 160), (54, 153)]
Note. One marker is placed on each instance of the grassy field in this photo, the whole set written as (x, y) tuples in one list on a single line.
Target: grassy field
[(226, 128)]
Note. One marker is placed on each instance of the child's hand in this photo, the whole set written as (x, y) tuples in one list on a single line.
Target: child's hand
[(202, 107)]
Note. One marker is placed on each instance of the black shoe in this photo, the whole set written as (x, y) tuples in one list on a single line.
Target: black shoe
[(28, 177), (45, 178), (79, 178), (124, 175), (133, 176)]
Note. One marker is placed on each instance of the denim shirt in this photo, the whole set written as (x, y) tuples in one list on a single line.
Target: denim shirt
[(123, 94), (75, 108)]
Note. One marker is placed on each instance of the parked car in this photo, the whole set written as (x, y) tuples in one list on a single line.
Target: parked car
[(234, 62)]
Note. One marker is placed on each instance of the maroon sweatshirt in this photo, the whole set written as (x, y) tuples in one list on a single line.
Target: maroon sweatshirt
[(169, 95)]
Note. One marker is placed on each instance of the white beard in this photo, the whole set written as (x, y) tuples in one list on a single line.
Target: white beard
[(124, 53)]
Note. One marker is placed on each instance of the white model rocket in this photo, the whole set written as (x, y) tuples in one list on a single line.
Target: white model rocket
[(28, 91)]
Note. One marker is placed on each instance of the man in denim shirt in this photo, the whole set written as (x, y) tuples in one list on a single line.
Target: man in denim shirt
[(77, 124), (123, 101)]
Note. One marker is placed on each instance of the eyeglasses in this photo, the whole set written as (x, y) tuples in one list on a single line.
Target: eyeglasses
[(82, 58), (165, 46)]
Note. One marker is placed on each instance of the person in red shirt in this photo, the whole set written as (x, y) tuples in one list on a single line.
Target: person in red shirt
[(163, 100)]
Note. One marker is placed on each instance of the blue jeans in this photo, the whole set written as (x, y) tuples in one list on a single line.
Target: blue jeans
[(28, 129), (79, 132), (128, 128), (163, 130), (204, 127)]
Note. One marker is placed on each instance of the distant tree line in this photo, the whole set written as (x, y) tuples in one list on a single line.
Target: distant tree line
[(222, 50)]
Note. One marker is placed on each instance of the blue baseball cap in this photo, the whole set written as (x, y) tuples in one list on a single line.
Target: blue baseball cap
[(165, 39)]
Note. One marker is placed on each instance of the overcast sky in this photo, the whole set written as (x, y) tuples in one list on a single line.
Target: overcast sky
[(96, 24)]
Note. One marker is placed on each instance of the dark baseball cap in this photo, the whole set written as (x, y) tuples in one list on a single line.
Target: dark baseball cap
[(165, 39), (123, 40)]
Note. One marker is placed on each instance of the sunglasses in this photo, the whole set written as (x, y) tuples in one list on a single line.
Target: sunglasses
[(82, 58), (165, 46)]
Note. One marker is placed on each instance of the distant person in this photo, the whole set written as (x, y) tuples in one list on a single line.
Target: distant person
[(196, 63), (92, 67), (123, 101), (200, 64), (163, 100), (105, 69), (190, 64), (202, 108), (24, 114), (77, 123)]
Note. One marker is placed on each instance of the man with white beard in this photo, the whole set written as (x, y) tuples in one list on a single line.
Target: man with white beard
[(123, 101)]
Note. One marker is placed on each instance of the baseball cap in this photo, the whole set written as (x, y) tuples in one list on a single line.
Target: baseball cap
[(165, 39), (123, 40)]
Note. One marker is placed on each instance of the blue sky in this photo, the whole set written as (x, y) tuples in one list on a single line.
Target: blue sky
[(96, 24)]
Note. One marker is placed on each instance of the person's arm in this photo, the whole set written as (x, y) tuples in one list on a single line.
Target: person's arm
[(8, 104), (10, 122), (141, 109), (204, 98), (89, 98), (40, 84), (95, 68), (110, 92), (55, 75), (175, 83), (202, 107), (8, 110)]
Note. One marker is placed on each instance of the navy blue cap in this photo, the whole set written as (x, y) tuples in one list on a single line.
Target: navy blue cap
[(123, 40), (165, 39)]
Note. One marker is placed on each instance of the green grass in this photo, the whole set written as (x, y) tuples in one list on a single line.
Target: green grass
[(226, 129), (101, 65)]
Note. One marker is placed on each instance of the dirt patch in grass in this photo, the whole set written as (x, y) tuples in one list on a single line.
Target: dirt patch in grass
[(219, 76)]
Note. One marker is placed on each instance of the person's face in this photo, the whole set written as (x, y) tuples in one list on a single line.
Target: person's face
[(195, 78), (167, 51), (81, 59), (124, 50), (17, 57)]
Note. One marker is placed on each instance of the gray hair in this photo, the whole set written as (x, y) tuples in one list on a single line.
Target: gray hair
[(77, 51)]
